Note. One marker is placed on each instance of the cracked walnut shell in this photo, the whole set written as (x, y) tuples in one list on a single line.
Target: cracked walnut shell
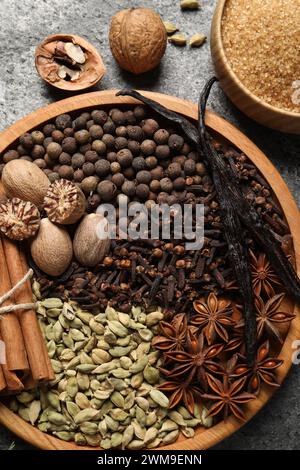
[(69, 62), (19, 219), (138, 39), (64, 202)]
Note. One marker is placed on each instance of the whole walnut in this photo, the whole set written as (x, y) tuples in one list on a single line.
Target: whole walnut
[(138, 39)]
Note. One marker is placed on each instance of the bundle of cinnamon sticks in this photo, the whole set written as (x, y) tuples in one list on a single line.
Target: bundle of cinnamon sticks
[(24, 361)]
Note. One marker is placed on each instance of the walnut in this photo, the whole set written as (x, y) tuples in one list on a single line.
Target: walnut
[(137, 39), (69, 62), (64, 203), (19, 219)]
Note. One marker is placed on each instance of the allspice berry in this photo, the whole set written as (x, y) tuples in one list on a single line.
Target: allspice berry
[(78, 176), (162, 152), (142, 191), (139, 164), (91, 156), (143, 177), (179, 184), (135, 133), (189, 167), (151, 162), (174, 171), (99, 117), (128, 188), (96, 132), (66, 172), (150, 126), (63, 121), (118, 179), (69, 145), (124, 157), (138, 39), (102, 167), (88, 169), (37, 137), (77, 160), (134, 147), (176, 142), (54, 150), (57, 136), (161, 136), (148, 147), (99, 146), (166, 185), (117, 116), (38, 151), (10, 155), (89, 184), (82, 136), (26, 141), (115, 167), (106, 190), (120, 143)]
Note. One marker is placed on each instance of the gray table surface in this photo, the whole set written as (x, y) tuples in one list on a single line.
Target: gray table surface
[(182, 73)]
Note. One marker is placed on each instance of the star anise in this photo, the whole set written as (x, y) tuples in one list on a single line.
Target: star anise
[(227, 397), (268, 316), (173, 334), (181, 391), (195, 361), (263, 276), (263, 369), (232, 369), (213, 317), (237, 340)]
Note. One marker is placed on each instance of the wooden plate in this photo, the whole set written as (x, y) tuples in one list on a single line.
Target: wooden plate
[(204, 438)]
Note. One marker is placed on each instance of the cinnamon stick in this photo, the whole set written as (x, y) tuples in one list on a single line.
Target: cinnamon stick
[(39, 362), (12, 381), (2, 380), (29, 382), (16, 358)]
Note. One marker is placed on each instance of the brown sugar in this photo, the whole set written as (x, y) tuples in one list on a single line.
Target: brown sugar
[(262, 44)]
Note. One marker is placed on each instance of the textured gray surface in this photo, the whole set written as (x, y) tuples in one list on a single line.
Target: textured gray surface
[(182, 73)]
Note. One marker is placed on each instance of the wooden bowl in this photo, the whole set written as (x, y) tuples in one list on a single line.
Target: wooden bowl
[(245, 100), (204, 438)]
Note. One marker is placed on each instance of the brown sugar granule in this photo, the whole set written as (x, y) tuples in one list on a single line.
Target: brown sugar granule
[(262, 43)]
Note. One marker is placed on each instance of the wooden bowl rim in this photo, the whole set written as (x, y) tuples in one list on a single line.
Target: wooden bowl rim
[(217, 26), (88, 46), (204, 438)]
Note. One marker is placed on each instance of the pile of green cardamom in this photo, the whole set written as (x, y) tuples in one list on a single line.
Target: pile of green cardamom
[(106, 371)]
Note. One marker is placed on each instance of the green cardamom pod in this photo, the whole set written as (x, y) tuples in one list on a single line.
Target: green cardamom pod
[(52, 303), (178, 39), (87, 414), (89, 428), (159, 398)]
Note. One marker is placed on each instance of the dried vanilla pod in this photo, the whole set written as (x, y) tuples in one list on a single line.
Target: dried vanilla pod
[(19, 219), (64, 203), (69, 62)]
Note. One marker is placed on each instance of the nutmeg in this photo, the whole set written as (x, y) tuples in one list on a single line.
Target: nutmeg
[(51, 249), (26, 181), (89, 247), (137, 39), (19, 219), (64, 203)]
